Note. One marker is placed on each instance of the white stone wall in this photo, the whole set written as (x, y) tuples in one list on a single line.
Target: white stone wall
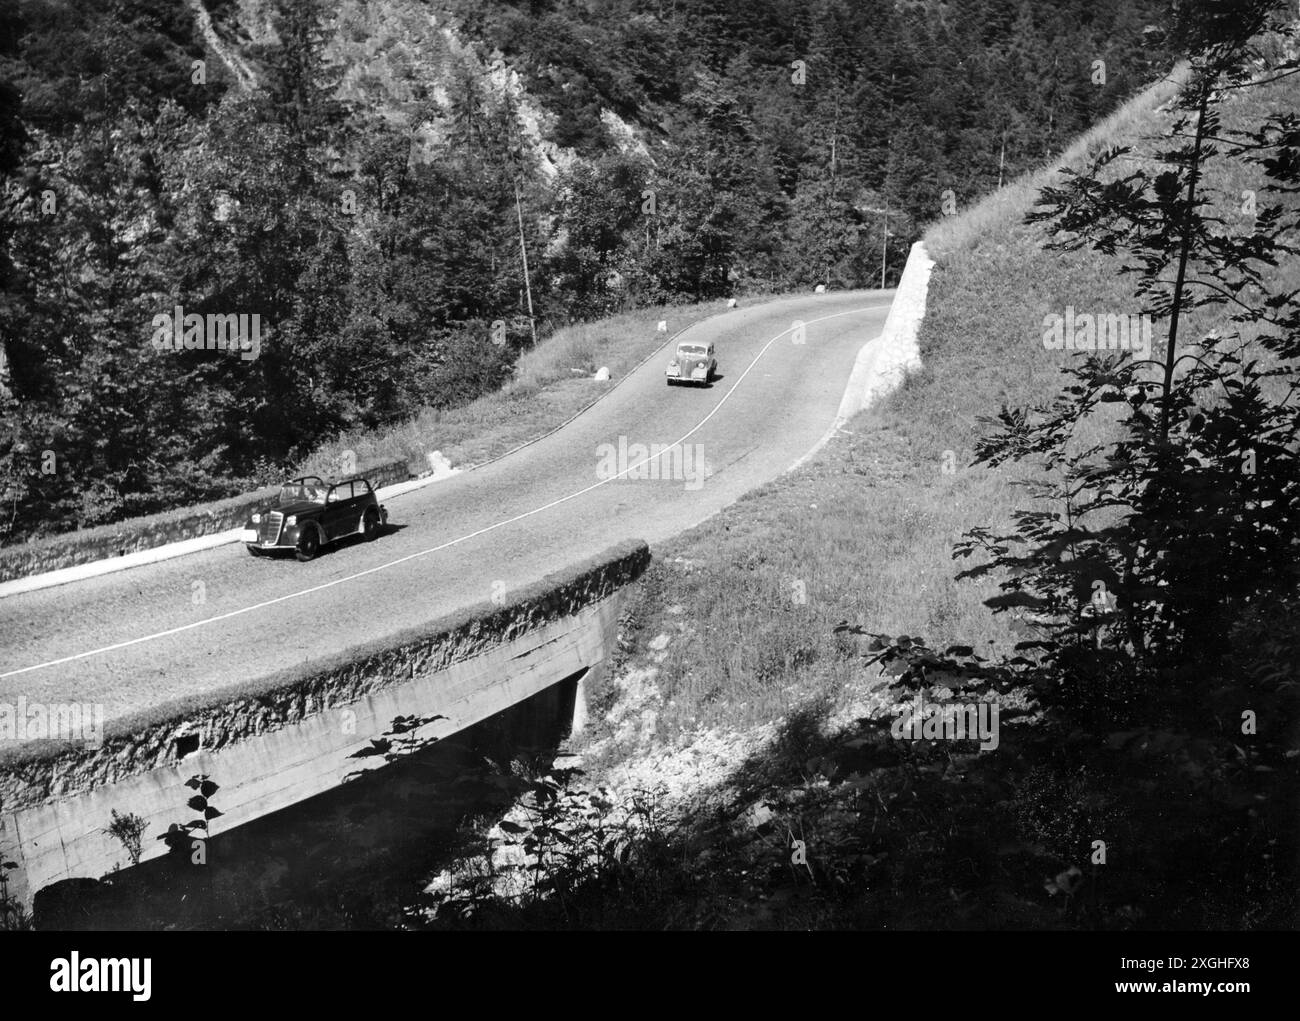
[(884, 362)]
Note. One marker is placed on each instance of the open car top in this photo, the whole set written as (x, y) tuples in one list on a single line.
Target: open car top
[(310, 488)]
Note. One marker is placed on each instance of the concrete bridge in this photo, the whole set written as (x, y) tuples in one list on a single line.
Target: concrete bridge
[(274, 742)]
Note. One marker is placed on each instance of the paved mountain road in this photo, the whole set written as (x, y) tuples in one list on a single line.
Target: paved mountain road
[(499, 527)]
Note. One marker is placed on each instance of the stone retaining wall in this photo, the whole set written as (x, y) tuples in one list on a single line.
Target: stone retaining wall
[(884, 361)]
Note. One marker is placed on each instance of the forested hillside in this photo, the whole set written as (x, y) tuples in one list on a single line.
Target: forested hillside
[(358, 176)]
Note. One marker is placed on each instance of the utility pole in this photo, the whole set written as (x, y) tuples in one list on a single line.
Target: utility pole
[(523, 251), (884, 248), (884, 240), (835, 138)]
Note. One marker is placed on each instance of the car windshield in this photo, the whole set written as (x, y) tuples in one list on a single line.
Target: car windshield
[(298, 493), (691, 351)]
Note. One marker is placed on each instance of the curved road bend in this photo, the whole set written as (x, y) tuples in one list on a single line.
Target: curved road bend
[(136, 637)]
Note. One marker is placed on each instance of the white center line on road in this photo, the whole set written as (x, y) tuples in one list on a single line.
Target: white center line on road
[(433, 549)]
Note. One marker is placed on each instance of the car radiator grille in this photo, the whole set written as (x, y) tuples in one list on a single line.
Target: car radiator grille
[(271, 527)]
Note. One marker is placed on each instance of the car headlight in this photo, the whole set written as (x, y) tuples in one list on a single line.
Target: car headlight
[(291, 520), (257, 519)]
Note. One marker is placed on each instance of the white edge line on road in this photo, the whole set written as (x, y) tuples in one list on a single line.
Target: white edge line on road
[(433, 549)]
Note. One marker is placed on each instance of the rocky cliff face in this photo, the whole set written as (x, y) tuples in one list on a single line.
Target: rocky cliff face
[(402, 60)]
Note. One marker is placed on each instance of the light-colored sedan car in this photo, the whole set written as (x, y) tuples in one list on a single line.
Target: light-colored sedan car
[(694, 363)]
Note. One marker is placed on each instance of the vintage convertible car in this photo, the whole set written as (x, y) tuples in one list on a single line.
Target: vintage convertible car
[(694, 363), (311, 512)]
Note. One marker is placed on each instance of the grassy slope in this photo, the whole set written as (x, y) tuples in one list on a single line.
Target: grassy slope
[(868, 525), (867, 529)]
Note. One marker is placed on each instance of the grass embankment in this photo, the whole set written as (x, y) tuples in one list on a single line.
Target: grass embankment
[(867, 528), (731, 633)]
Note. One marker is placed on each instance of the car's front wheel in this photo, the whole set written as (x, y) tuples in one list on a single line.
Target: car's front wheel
[(308, 545), (254, 551), (370, 524)]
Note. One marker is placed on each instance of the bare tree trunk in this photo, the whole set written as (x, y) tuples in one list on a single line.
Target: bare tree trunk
[(1185, 248)]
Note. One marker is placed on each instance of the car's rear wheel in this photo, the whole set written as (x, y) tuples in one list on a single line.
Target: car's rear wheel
[(308, 544), (370, 524)]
